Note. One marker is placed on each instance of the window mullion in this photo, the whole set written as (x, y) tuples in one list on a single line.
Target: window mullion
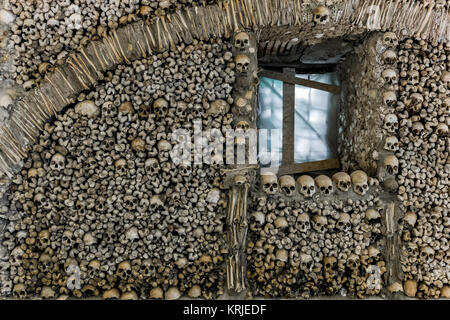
[(288, 119)]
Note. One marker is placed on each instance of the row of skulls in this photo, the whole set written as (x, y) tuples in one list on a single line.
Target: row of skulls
[(308, 186)]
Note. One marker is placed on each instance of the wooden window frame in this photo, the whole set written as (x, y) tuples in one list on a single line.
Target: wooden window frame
[(289, 79)]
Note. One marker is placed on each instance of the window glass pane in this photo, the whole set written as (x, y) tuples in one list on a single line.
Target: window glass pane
[(315, 120), (270, 117)]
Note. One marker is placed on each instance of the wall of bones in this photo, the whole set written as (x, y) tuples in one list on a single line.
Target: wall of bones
[(91, 205)]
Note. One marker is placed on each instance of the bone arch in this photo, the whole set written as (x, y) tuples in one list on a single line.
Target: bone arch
[(83, 69)]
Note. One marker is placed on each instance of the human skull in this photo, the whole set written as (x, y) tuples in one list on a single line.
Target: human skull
[(342, 181), (218, 107), (20, 291), (321, 15), (156, 203), (344, 223), (144, 111), (330, 264), (391, 164), (391, 123), (6, 17), (320, 223), (205, 263), (41, 201), (243, 126), (415, 102), (413, 251), (389, 76), (160, 107), (372, 216), (57, 162), (164, 146), (240, 179), (44, 239), (389, 98), (126, 108), (109, 109), (181, 110), (185, 168), (156, 293), (172, 294), (426, 254), (410, 218), (417, 128), (151, 166), (75, 21), (391, 144), (67, 238), (390, 40), (306, 262), (121, 166), (129, 202), (243, 106), (442, 129), (93, 268), (16, 256), (138, 144), (307, 187), (269, 182), (259, 217), (303, 223), (445, 76), (287, 184), (87, 108), (353, 261), (389, 57), (45, 263), (282, 255), (241, 41), (242, 63), (28, 26), (124, 270), (436, 214), (359, 181), (47, 293), (325, 184), (5, 99), (413, 77), (111, 294)]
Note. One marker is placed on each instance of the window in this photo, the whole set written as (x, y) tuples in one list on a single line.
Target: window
[(299, 111)]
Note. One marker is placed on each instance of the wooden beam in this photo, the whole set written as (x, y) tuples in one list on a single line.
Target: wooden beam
[(309, 167), (299, 66), (303, 82), (288, 118)]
